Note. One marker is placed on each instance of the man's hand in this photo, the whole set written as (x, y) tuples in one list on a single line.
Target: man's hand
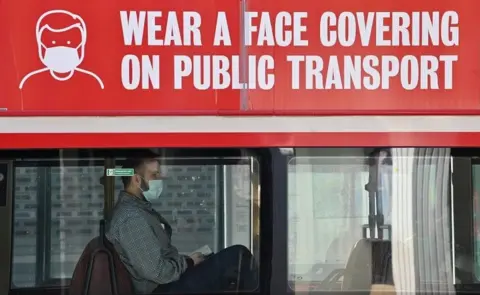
[(197, 257)]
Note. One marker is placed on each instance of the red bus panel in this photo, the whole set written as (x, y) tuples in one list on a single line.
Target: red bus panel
[(239, 57)]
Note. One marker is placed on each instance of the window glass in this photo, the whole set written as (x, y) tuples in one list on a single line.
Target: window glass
[(205, 202), (25, 227), (58, 203), (77, 200), (57, 212), (331, 200), (328, 207)]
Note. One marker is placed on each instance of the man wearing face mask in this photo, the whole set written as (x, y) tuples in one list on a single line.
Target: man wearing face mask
[(142, 238)]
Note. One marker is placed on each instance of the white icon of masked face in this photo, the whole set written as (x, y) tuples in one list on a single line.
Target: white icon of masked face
[(61, 59), (61, 62)]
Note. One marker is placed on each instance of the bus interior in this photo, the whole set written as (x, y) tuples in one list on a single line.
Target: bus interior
[(302, 212)]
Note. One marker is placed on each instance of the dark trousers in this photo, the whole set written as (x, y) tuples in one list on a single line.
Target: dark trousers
[(232, 268)]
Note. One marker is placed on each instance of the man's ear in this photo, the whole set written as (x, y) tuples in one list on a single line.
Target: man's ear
[(138, 178), (134, 178)]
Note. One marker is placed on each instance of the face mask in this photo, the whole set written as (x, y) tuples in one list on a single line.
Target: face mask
[(61, 59), (155, 188)]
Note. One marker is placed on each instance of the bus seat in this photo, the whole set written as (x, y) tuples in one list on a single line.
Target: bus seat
[(381, 289), (382, 262), (100, 271), (370, 262)]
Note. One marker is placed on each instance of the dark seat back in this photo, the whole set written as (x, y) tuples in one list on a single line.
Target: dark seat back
[(370, 262), (382, 262), (100, 270)]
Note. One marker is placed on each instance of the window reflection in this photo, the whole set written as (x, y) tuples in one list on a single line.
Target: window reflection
[(57, 212), (330, 203), (59, 203), (328, 206)]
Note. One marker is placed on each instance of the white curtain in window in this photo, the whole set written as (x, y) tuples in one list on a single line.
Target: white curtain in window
[(421, 221), (402, 226)]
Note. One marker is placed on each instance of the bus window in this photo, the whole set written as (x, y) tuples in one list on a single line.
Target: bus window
[(59, 202), (334, 198), (326, 197), (57, 210)]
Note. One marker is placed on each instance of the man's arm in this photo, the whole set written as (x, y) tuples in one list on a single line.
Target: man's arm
[(144, 250)]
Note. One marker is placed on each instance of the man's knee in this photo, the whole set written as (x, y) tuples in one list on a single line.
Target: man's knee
[(239, 249), (235, 254)]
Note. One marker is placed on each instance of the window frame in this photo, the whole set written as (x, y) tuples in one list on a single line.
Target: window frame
[(462, 182), (462, 162), (6, 218)]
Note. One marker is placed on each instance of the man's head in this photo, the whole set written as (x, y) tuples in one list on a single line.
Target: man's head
[(146, 181)]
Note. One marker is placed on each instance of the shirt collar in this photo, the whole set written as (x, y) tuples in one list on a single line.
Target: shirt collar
[(126, 197)]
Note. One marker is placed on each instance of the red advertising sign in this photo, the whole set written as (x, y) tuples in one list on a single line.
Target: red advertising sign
[(224, 56)]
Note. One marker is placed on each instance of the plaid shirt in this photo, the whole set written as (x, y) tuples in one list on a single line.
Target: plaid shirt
[(142, 238)]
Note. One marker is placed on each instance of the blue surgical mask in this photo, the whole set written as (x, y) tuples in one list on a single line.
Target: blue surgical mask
[(155, 188)]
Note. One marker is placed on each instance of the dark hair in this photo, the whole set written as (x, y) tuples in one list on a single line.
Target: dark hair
[(136, 164)]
